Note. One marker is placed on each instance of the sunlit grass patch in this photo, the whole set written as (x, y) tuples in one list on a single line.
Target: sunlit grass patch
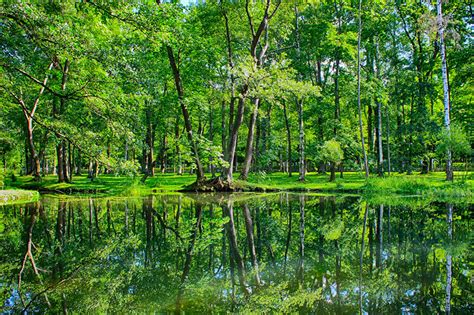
[(433, 184)]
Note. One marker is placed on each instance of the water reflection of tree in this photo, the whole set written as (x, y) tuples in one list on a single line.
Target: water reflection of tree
[(169, 252), (449, 259)]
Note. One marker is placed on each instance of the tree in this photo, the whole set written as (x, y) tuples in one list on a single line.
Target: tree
[(257, 58), (444, 71), (229, 86), (29, 114), (331, 152), (366, 166)]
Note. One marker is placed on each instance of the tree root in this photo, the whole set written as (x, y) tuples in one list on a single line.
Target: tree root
[(216, 184)]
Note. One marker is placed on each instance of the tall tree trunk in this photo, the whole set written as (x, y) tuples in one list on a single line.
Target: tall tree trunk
[(421, 111), (302, 167), (108, 151), (74, 166), (29, 115), (223, 127), (332, 176), (96, 169), (177, 157), (28, 163), (62, 166), (33, 153), (337, 110), (65, 160), (144, 157), (90, 172), (299, 105), (212, 167), (259, 142), (319, 78), (380, 168), (231, 156), (164, 145), (69, 161), (227, 172), (379, 140), (370, 130), (444, 70), (150, 143), (361, 128), (288, 140), (60, 156), (251, 134), (266, 139), (187, 120), (336, 98), (125, 155), (411, 130), (389, 166)]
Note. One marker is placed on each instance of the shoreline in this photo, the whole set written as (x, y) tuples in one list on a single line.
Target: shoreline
[(432, 185)]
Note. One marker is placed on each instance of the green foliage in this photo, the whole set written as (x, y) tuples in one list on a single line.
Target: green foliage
[(127, 168), (455, 140), (331, 151), (118, 99)]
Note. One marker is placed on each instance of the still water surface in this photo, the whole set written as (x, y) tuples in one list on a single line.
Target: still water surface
[(236, 253)]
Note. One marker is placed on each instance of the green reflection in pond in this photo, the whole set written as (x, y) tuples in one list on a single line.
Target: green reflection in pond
[(242, 252)]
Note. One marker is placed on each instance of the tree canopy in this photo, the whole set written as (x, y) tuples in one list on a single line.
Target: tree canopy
[(234, 86)]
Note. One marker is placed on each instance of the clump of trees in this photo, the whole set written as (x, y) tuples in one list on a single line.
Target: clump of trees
[(226, 87)]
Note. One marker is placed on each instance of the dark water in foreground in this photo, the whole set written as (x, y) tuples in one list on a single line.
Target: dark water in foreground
[(239, 253)]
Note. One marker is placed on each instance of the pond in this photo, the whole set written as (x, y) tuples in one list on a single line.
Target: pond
[(201, 253)]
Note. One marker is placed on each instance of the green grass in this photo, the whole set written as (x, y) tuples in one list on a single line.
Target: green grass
[(433, 183), (430, 184), (170, 182), (314, 182)]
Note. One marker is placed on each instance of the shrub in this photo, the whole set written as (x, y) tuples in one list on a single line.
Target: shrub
[(331, 152), (456, 141), (127, 168)]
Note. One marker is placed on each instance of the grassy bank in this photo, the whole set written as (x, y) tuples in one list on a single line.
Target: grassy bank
[(8, 197), (104, 185), (352, 182)]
